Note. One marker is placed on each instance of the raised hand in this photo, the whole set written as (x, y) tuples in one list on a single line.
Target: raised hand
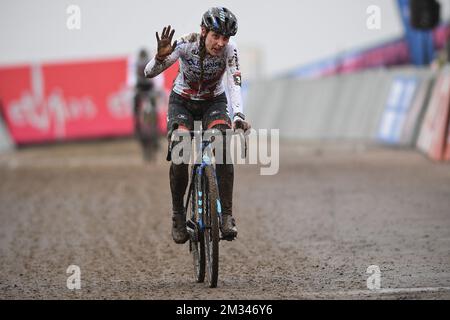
[(165, 47)]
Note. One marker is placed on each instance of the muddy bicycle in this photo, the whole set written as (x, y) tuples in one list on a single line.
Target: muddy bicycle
[(147, 124), (204, 215)]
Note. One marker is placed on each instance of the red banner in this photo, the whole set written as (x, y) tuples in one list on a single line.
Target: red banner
[(66, 101), (433, 135)]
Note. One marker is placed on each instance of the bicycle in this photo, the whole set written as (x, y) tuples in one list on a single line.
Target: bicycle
[(147, 125), (205, 215)]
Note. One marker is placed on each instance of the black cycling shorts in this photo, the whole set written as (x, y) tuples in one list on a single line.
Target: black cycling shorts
[(183, 112)]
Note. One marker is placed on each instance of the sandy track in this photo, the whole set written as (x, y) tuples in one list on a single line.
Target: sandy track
[(310, 231)]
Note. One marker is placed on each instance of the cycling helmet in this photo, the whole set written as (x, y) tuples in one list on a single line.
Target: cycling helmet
[(143, 54), (220, 20)]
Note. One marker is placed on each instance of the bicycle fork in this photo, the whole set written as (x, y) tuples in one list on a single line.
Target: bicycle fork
[(196, 222)]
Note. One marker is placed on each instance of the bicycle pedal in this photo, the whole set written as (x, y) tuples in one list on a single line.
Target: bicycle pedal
[(192, 229), (228, 237)]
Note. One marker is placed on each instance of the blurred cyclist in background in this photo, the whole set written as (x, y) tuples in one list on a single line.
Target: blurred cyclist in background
[(149, 97), (143, 86), (199, 94)]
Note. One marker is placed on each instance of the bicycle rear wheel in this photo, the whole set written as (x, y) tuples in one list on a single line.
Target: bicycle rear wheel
[(154, 135), (197, 244), (212, 205)]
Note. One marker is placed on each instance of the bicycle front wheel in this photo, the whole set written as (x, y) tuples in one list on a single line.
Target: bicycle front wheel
[(196, 245), (197, 241), (212, 206)]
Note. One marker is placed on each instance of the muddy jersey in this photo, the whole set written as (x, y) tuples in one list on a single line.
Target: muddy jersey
[(187, 83)]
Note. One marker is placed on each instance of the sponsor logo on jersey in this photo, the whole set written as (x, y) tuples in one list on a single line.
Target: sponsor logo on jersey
[(237, 79)]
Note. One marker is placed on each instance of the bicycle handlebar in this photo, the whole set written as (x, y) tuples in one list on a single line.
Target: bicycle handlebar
[(194, 132)]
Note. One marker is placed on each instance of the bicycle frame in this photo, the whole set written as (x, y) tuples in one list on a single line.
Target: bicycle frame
[(196, 176), (205, 213)]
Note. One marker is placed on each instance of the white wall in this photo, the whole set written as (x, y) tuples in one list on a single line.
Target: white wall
[(285, 33)]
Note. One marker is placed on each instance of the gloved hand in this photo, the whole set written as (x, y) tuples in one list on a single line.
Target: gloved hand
[(240, 123), (165, 46)]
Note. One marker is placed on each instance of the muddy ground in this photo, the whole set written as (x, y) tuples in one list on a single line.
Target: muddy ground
[(308, 232)]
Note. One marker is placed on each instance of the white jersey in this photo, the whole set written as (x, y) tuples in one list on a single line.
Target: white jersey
[(187, 83)]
